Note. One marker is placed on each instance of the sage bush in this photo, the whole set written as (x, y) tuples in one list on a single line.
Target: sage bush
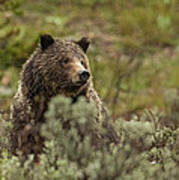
[(76, 148)]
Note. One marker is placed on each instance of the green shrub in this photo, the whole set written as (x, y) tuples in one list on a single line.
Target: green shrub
[(145, 151)]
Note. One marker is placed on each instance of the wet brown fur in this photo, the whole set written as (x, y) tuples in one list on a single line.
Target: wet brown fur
[(47, 73)]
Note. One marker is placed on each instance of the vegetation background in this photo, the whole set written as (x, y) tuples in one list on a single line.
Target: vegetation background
[(134, 58)]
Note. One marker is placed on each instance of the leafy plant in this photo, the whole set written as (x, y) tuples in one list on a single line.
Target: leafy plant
[(144, 151)]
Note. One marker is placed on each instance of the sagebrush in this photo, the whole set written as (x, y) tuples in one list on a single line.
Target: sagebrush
[(145, 151)]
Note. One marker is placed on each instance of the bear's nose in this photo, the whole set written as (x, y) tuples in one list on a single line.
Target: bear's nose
[(84, 75)]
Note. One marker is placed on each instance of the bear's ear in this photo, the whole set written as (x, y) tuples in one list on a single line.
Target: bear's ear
[(84, 43), (45, 41)]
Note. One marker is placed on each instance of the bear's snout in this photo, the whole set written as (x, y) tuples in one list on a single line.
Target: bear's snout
[(84, 75)]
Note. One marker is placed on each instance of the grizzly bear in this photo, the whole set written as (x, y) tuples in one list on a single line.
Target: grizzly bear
[(57, 67)]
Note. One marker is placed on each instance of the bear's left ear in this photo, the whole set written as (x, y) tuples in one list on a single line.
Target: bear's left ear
[(45, 41), (84, 43)]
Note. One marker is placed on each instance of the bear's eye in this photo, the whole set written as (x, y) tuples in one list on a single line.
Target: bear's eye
[(82, 63), (65, 61)]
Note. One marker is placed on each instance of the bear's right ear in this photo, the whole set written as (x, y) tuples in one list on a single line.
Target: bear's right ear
[(45, 41)]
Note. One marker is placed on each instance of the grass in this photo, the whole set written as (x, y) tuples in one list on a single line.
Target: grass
[(131, 51)]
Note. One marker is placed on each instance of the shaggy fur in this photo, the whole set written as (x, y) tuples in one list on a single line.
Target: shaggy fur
[(50, 71)]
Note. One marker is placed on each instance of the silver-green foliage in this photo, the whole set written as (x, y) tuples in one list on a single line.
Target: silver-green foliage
[(76, 148)]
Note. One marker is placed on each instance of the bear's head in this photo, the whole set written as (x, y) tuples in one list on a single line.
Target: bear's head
[(57, 67)]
